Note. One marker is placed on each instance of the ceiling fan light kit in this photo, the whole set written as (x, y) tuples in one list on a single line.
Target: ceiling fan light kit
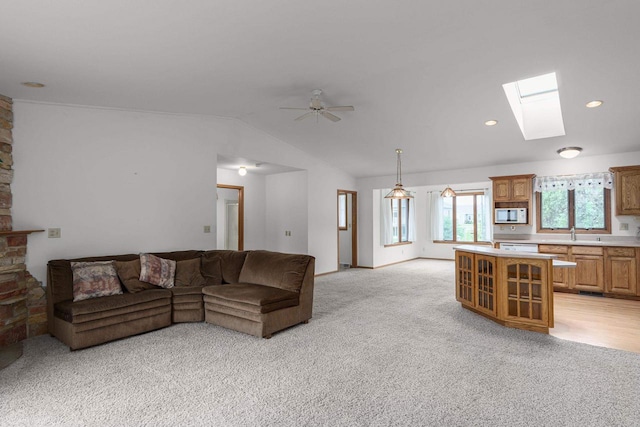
[(318, 109)]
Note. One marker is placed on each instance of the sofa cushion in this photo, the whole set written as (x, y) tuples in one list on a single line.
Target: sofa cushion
[(178, 255), (188, 273), (211, 269), (115, 305), (230, 264), (157, 271), (129, 274), (94, 279), (251, 297), (285, 271)]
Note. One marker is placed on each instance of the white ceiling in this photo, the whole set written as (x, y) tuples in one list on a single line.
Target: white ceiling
[(422, 75), (253, 166)]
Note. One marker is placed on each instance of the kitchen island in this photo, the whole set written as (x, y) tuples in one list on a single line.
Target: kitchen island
[(514, 289)]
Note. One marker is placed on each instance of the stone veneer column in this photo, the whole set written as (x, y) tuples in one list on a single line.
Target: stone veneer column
[(22, 299)]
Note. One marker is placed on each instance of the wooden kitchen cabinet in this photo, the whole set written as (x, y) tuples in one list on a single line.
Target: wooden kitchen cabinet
[(627, 183), (486, 280), (512, 290), (526, 291), (621, 270), (589, 272), (561, 276), (514, 191), (465, 279), (515, 188)]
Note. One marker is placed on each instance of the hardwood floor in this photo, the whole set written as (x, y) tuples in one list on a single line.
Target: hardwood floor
[(605, 322)]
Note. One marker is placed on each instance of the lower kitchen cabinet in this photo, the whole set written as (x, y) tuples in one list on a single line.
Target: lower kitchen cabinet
[(610, 270), (589, 272), (621, 271), (561, 276), (514, 291)]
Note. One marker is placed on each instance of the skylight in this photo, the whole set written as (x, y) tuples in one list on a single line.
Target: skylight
[(535, 103)]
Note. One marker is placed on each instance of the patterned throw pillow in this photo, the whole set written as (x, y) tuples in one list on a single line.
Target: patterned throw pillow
[(157, 271), (94, 279)]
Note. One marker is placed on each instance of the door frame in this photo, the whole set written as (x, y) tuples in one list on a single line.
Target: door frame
[(240, 189), (354, 226)]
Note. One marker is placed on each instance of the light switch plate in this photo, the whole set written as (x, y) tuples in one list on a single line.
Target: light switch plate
[(624, 226), (53, 233)]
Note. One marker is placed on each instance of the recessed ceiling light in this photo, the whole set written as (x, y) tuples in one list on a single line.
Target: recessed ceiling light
[(569, 152), (491, 122), (594, 104)]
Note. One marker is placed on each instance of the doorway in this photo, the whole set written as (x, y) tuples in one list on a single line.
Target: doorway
[(347, 229), (230, 220)]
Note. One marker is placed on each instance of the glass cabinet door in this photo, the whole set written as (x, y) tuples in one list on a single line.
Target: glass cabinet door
[(464, 278), (486, 284), (526, 285)]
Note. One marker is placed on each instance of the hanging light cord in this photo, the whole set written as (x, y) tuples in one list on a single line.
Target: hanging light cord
[(399, 168)]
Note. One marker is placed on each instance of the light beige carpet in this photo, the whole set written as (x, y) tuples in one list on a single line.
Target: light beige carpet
[(385, 347)]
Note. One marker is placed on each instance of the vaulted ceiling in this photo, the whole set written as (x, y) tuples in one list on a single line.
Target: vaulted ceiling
[(422, 75)]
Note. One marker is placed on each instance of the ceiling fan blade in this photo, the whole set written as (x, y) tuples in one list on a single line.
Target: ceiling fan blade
[(342, 108), (328, 115), (304, 116), (293, 108)]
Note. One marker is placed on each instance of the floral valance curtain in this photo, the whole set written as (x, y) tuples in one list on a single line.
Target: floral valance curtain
[(571, 182)]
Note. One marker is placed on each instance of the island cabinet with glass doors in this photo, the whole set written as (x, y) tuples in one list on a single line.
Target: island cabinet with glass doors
[(514, 289)]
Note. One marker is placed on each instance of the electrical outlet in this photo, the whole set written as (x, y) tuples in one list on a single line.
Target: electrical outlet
[(53, 233), (207, 229), (624, 226)]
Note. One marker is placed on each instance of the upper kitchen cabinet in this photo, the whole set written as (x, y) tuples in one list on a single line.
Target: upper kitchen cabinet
[(513, 191), (515, 188), (627, 182)]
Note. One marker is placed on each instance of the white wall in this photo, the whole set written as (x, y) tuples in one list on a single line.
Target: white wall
[(254, 206), (373, 254), (287, 210), (119, 181)]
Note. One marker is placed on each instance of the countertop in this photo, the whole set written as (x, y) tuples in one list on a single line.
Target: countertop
[(569, 242), (484, 250)]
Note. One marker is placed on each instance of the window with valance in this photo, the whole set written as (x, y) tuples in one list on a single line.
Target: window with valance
[(581, 202)]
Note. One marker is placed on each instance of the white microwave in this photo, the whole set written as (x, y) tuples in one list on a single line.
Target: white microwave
[(511, 216)]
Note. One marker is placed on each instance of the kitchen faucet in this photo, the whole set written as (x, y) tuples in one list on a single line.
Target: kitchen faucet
[(573, 234)]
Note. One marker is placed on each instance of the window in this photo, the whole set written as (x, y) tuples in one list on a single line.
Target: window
[(342, 211), (399, 221), (465, 218), (585, 208), (579, 201)]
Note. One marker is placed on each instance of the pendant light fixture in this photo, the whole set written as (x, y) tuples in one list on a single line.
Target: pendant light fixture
[(398, 191), (448, 192)]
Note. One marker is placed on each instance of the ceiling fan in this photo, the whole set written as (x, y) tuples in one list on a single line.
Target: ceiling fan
[(318, 109)]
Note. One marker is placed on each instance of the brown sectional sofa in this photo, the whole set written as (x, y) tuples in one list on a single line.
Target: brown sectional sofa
[(256, 292)]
